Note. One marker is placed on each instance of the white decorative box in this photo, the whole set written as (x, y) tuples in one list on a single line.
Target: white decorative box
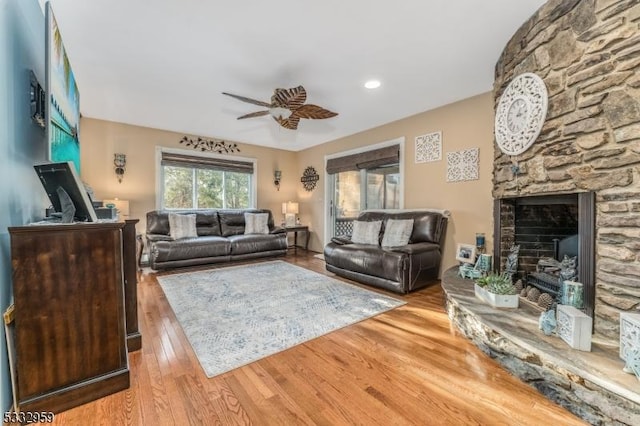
[(629, 333), (574, 327)]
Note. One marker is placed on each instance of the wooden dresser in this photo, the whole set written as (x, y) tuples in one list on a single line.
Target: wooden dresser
[(130, 269), (70, 332)]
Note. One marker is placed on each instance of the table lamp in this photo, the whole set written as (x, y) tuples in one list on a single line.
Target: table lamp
[(121, 205), (290, 210)]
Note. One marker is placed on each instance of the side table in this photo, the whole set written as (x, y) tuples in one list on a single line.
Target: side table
[(295, 230)]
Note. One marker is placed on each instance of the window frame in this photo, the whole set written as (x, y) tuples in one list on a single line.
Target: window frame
[(253, 185)]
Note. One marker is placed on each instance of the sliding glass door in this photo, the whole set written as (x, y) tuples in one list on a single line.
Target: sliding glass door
[(347, 201), (362, 179), (358, 190)]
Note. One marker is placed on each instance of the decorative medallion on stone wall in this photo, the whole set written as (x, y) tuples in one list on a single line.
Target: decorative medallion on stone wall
[(463, 165), (521, 113), (309, 178), (429, 147)]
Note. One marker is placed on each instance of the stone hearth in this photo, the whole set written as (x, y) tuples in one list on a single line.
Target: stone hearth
[(589, 384)]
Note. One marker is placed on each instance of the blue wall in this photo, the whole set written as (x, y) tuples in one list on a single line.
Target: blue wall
[(22, 143)]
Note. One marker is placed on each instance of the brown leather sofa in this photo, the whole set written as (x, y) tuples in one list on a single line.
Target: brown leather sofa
[(220, 239), (400, 269)]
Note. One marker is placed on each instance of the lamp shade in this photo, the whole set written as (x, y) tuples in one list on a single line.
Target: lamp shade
[(291, 207), (121, 205)]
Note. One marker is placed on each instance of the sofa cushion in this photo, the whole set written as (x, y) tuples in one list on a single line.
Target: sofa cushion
[(427, 225), (252, 243), (366, 232), (182, 226), (367, 259), (207, 222), (191, 248), (256, 223), (232, 221), (397, 232)]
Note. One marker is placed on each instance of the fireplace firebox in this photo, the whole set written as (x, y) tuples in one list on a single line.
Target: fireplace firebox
[(548, 227)]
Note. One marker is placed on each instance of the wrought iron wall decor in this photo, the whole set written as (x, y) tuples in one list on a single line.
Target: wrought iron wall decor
[(213, 145), (309, 178)]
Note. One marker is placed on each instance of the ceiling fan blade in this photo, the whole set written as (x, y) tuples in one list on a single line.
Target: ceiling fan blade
[(314, 111), (249, 100), (288, 123), (289, 98), (254, 114)]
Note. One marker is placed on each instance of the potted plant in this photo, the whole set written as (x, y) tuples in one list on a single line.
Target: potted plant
[(497, 290)]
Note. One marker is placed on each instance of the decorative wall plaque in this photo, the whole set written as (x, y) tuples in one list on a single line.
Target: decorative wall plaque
[(309, 178), (462, 165), (429, 147)]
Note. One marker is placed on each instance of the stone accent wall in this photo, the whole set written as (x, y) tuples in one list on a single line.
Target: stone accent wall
[(588, 54)]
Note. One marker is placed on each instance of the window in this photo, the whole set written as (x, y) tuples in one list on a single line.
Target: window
[(205, 182)]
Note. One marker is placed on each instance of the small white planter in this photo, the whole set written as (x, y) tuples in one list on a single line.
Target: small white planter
[(496, 300)]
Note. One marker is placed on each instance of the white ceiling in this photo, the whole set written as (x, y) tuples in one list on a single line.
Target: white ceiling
[(164, 63)]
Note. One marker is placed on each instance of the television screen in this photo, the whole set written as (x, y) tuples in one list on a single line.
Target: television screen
[(63, 106), (63, 175)]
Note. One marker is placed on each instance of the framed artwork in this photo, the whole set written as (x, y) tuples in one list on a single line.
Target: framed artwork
[(429, 147), (63, 105), (466, 253)]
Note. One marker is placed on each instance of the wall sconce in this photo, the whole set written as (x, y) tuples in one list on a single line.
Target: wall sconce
[(277, 176), (119, 161)]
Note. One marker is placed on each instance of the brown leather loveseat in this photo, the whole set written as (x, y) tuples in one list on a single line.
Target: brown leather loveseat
[(220, 238), (401, 268)]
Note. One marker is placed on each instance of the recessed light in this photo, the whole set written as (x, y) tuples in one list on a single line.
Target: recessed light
[(372, 84)]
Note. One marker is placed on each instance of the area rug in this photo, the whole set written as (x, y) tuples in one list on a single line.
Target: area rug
[(236, 315)]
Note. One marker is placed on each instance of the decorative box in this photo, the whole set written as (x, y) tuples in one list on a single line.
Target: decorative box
[(629, 333), (574, 327)]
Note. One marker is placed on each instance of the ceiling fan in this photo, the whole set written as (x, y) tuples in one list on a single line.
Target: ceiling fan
[(287, 107)]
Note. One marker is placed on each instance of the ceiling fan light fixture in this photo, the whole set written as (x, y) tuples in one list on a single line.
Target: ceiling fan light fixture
[(279, 112), (372, 84)]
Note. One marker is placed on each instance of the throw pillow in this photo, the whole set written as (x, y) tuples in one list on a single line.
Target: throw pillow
[(182, 226), (397, 232), (366, 232), (256, 223)]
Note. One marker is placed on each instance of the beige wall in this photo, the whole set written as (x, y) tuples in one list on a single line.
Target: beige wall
[(465, 124), (101, 139)]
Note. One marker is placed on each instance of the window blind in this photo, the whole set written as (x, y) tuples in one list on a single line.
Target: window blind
[(194, 161), (365, 160)]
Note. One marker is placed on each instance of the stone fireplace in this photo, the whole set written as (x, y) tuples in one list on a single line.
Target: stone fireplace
[(579, 180), (588, 54)]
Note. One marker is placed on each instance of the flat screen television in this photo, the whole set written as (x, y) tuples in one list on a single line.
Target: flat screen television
[(63, 105), (63, 175)]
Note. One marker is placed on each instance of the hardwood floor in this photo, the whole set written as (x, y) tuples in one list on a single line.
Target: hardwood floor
[(407, 366)]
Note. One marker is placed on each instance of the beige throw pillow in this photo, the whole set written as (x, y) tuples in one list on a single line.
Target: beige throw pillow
[(256, 223), (366, 232), (182, 226), (397, 232)]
